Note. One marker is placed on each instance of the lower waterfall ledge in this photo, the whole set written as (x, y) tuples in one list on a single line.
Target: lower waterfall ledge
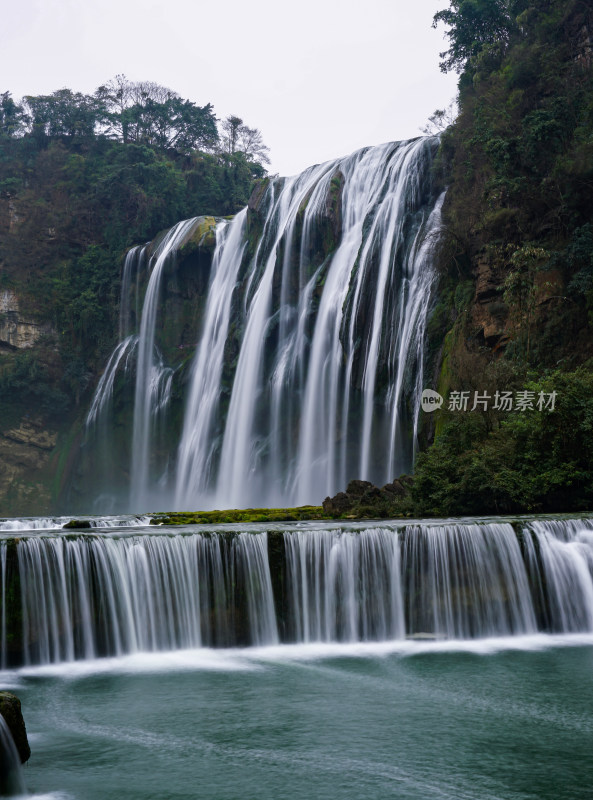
[(69, 595), (301, 513)]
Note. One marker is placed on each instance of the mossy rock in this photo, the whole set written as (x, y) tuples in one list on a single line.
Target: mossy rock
[(203, 236), (10, 709)]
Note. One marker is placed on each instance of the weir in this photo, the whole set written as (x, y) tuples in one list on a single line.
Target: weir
[(288, 359), (81, 596)]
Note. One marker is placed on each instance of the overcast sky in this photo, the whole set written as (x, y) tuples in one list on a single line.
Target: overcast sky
[(319, 78)]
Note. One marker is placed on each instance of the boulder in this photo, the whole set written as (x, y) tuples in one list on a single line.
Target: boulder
[(78, 524), (359, 488), (371, 496), (337, 504), (10, 708), (395, 489)]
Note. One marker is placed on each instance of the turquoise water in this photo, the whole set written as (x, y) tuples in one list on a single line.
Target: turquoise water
[(412, 721)]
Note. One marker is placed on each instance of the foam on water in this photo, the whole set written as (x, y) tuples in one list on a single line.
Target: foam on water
[(26, 524), (251, 659)]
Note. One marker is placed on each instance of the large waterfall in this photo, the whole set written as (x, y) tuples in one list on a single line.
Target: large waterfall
[(69, 596), (287, 362)]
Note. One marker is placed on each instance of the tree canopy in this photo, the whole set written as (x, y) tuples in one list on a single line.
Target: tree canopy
[(131, 112), (82, 178), (474, 24), (238, 137), (147, 113)]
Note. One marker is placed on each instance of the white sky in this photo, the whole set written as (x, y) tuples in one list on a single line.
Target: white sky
[(319, 78)]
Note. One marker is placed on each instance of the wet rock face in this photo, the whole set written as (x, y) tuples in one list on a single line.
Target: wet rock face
[(10, 708)]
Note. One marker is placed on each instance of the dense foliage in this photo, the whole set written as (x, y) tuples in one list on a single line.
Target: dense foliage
[(530, 460), (519, 214), (83, 178), (520, 153)]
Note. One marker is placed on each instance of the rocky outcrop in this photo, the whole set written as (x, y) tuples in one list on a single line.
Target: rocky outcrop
[(488, 312), (10, 708), (16, 330), (580, 35), (493, 322), (31, 433), (364, 500), (26, 451)]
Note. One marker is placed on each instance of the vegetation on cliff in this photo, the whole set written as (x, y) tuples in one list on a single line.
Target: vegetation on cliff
[(516, 291), (83, 178)]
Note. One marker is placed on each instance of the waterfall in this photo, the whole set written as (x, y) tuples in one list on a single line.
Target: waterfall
[(134, 263), (344, 586), (12, 782), (98, 412), (454, 581), (153, 378), (467, 580), (83, 596), (3, 554), (293, 424), (309, 334), (196, 449), (560, 553), (99, 595)]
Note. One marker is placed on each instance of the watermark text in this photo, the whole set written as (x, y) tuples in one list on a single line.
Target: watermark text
[(523, 400)]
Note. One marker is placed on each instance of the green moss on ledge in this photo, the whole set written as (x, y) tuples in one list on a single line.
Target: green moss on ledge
[(238, 515), (202, 236)]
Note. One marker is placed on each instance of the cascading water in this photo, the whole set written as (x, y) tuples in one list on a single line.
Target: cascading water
[(344, 586), (467, 580), (197, 447), (12, 782), (66, 598), (153, 378), (98, 412), (293, 424), (308, 365), (134, 265), (560, 554), (100, 595)]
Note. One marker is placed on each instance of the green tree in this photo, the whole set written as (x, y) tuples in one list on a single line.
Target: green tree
[(62, 113), (474, 24), (148, 113), (240, 138), (12, 116)]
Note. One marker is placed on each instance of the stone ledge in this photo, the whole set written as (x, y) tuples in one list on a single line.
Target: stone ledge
[(28, 434)]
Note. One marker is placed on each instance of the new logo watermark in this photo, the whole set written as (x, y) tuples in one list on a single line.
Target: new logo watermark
[(431, 400), (524, 400)]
